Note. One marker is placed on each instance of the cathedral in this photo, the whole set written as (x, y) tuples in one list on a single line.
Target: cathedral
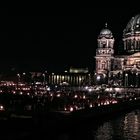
[(119, 70)]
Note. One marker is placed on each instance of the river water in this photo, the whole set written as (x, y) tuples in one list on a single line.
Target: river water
[(121, 127), (124, 126)]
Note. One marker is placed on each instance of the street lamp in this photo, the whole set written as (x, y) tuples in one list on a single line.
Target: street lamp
[(95, 78), (18, 76), (23, 77), (43, 78), (89, 78), (137, 79), (126, 80), (98, 78)]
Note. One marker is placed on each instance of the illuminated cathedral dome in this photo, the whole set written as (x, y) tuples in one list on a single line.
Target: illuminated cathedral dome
[(131, 35), (133, 26), (105, 33)]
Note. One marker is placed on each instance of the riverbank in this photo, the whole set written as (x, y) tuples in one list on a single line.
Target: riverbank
[(67, 118), (96, 114)]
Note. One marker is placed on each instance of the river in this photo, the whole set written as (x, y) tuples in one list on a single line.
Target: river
[(124, 126)]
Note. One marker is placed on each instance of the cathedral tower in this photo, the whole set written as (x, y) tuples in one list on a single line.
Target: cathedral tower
[(104, 53)]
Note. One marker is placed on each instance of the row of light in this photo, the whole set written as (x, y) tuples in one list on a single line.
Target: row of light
[(91, 105)]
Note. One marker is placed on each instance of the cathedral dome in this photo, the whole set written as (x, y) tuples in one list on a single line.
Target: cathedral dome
[(133, 26), (105, 33), (131, 35)]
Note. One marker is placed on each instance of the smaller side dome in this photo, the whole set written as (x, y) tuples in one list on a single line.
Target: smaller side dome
[(105, 33)]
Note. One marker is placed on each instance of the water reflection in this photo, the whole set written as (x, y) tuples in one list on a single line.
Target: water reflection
[(123, 127), (105, 131), (132, 125)]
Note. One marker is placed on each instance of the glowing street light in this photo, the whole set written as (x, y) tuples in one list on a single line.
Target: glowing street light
[(98, 77), (75, 96), (89, 89), (1, 107), (24, 73), (44, 79), (48, 89), (84, 97), (71, 109), (58, 95), (137, 79), (90, 105), (126, 79), (18, 75)]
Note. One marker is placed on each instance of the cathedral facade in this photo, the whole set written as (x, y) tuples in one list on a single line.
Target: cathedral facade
[(119, 70)]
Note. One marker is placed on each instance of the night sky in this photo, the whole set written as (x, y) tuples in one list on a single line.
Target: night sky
[(54, 40)]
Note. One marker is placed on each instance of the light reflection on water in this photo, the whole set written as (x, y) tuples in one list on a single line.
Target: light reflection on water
[(123, 127)]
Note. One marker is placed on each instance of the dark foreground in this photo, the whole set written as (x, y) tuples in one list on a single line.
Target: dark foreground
[(109, 123), (122, 126)]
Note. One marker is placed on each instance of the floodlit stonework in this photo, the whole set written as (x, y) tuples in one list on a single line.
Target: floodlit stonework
[(119, 70)]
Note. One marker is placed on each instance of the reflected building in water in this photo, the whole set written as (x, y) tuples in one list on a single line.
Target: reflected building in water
[(122, 69)]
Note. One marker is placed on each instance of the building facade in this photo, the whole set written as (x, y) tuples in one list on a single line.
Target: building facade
[(124, 69), (73, 77)]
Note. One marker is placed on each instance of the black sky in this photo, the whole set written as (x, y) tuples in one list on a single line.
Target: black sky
[(38, 39)]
